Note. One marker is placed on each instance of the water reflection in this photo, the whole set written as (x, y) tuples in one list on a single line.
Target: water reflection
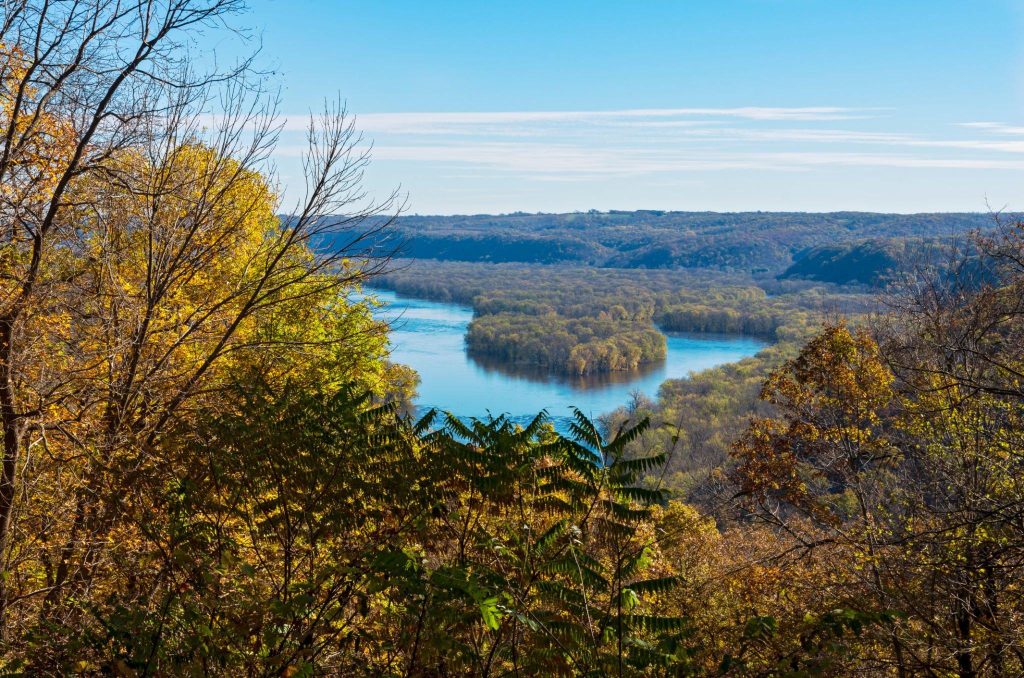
[(578, 382)]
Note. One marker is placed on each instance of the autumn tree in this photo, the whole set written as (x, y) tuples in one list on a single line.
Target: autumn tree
[(954, 338), (145, 271), (899, 459)]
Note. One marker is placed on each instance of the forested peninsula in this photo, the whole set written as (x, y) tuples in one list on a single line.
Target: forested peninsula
[(576, 346)]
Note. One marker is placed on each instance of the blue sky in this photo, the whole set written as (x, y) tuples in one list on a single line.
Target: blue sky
[(693, 105)]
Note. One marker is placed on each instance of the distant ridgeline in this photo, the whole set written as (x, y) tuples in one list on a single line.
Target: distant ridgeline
[(881, 261), (758, 243)]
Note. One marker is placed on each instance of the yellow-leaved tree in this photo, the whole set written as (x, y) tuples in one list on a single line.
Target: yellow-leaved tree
[(144, 272)]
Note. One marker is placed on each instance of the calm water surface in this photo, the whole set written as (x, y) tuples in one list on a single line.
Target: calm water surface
[(429, 336)]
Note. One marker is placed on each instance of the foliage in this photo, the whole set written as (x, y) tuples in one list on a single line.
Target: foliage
[(867, 262), (307, 533), (909, 473), (143, 273), (835, 394)]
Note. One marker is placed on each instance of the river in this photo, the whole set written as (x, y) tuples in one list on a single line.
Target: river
[(429, 336)]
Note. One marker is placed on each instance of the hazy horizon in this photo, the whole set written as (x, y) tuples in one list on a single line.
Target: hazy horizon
[(687, 211)]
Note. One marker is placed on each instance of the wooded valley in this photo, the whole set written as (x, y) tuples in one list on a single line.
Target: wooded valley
[(577, 320)]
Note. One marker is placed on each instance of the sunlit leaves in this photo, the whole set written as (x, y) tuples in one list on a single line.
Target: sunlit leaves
[(832, 398)]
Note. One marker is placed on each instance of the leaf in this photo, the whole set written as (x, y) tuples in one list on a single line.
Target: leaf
[(760, 627), (657, 624), (490, 612), (550, 536), (659, 585)]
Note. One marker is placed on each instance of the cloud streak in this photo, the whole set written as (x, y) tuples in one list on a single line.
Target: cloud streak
[(427, 122), (997, 128), (545, 146), (566, 162), (393, 121)]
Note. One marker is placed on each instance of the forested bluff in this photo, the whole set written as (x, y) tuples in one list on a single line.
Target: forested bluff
[(207, 468), (749, 242)]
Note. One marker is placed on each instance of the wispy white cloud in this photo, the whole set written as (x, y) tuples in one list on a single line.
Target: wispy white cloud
[(547, 146), (547, 162), (427, 122), (393, 121), (995, 128)]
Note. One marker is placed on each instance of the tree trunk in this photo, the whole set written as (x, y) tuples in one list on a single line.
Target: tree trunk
[(9, 421)]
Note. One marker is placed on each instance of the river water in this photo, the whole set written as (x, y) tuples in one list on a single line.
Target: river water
[(429, 337)]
